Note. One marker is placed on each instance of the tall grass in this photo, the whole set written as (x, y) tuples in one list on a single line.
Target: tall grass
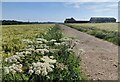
[(106, 31)]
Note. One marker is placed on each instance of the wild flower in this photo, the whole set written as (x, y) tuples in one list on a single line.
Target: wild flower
[(6, 70), (48, 77), (51, 57), (53, 40), (43, 46), (42, 39), (42, 51), (30, 71), (57, 44), (27, 52), (37, 72), (39, 42), (20, 54), (40, 68), (63, 43), (46, 59), (27, 41), (13, 69), (13, 58)]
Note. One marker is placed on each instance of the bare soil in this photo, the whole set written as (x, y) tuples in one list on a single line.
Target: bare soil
[(100, 60)]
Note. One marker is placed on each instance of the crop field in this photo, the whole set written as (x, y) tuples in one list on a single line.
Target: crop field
[(12, 35), (106, 31), (38, 52)]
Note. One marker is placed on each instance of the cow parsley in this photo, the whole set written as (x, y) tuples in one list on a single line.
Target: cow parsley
[(13, 69), (44, 68)]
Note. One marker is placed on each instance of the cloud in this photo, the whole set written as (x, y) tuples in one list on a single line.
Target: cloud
[(74, 4), (94, 5)]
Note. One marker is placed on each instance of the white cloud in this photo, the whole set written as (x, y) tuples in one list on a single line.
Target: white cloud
[(96, 5), (74, 4)]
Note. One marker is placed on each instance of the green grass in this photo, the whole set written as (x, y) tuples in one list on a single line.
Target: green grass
[(102, 26), (106, 31)]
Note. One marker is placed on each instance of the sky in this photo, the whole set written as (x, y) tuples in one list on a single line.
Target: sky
[(57, 11), (60, 0)]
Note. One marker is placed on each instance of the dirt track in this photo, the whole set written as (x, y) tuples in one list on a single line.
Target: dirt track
[(100, 61)]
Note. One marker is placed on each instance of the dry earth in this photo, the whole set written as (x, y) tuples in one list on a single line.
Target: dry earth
[(100, 61)]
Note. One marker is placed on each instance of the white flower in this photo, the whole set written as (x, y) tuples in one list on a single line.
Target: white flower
[(27, 52), (34, 64), (48, 77), (42, 51), (41, 39), (19, 70), (6, 59), (6, 70), (30, 67), (15, 68), (30, 71), (51, 57), (13, 71), (44, 73), (57, 44), (39, 42), (63, 43), (27, 41), (37, 72), (14, 58), (48, 60), (20, 65), (52, 66), (49, 69), (17, 53), (53, 40), (42, 68)]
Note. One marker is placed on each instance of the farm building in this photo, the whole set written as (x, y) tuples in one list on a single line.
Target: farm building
[(102, 19), (72, 20)]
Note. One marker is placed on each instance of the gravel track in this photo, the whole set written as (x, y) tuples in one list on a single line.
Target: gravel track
[(100, 61)]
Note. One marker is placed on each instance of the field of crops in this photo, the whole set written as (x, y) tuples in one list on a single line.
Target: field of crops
[(12, 35), (106, 31), (38, 52)]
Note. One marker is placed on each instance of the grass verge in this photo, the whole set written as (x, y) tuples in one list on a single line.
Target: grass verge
[(110, 36)]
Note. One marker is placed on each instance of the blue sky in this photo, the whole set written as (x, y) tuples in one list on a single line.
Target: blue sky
[(57, 11)]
